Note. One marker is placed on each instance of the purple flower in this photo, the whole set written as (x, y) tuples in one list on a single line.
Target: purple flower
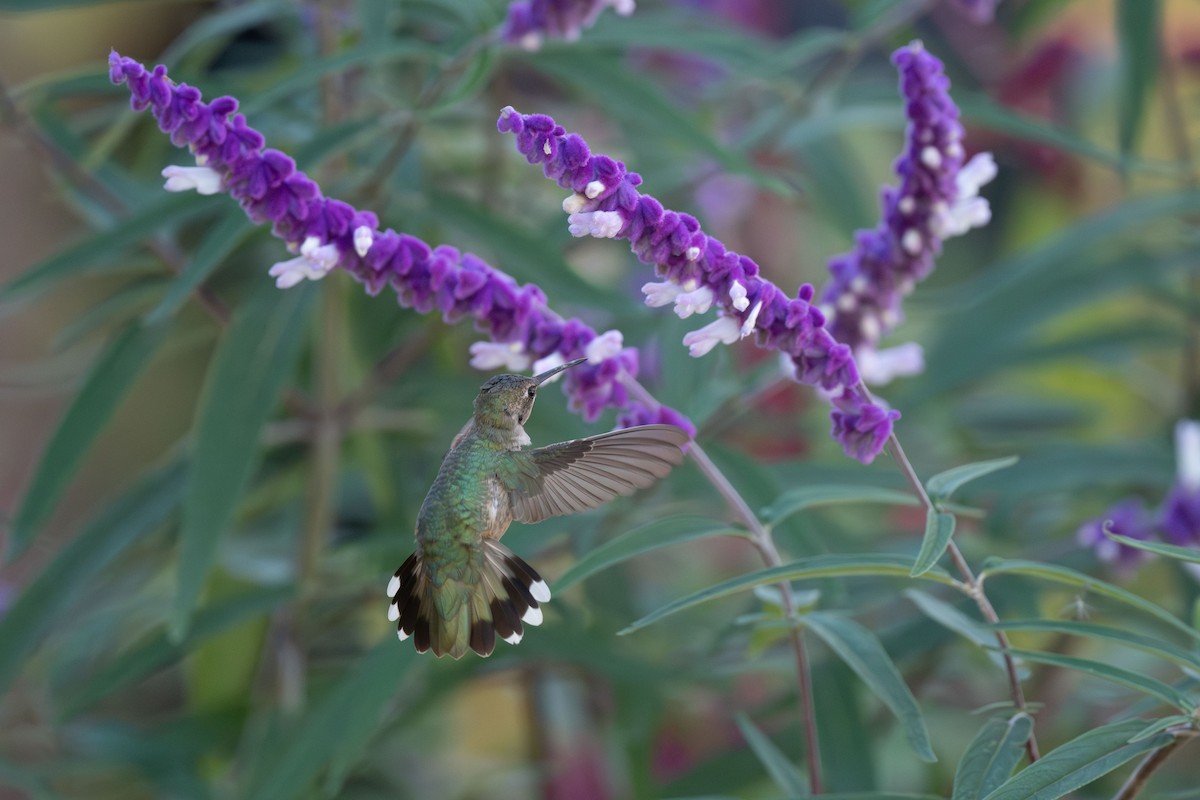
[(1127, 518), (1180, 514), (327, 234), (529, 21), (937, 198), (699, 273)]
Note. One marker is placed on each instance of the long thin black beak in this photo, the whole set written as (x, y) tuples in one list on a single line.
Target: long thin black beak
[(550, 373)]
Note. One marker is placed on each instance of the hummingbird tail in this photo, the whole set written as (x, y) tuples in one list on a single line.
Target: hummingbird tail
[(498, 601)]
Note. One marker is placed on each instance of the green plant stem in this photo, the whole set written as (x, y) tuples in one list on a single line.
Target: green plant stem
[(971, 585), (760, 537), (1150, 764)]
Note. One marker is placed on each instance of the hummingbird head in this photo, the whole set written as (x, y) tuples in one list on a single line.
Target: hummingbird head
[(506, 401)]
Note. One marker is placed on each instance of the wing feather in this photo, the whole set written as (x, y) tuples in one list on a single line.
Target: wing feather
[(574, 476)]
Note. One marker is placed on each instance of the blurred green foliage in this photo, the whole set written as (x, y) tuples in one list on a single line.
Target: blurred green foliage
[(216, 627)]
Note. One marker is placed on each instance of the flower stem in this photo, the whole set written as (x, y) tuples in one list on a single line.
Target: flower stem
[(760, 537), (972, 585)]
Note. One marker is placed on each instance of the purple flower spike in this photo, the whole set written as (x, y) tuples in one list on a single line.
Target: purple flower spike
[(937, 198), (699, 273), (327, 234), (530, 21), (1127, 518)]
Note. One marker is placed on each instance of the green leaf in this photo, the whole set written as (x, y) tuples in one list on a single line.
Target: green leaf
[(1161, 725), (358, 701), (253, 361), (158, 649), (1053, 572), (1189, 554), (1137, 33), (827, 566), (991, 756), (983, 112), (950, 617), (942, 485), (659, 533), (939, 527), (36, 610), (1078, 762), (103, 247), (102, 391), (212, 251), (1147, 644), (782, 771), (795, 500), (864, 654), (1134, 680)]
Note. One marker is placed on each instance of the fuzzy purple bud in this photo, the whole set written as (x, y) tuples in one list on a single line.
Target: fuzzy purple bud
[(530, 21)]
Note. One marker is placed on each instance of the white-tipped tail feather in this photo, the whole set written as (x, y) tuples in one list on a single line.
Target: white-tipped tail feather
[(495, 603)]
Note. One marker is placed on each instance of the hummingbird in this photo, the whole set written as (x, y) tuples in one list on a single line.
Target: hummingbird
[(461, 588)]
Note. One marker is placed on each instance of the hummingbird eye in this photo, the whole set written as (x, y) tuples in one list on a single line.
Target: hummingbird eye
[(531, 391)]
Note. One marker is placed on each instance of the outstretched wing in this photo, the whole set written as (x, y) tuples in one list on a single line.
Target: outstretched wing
[(580, 474)]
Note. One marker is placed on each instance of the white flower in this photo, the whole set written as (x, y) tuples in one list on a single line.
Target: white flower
[(601, 224), (606, 345), (724, 331), (692, 253), (593, 190), (494, 355), (931, 157), (574, 203), (912, 241), (751, 318), (1187, 453), (364, 237), (969, 210), (737, 296), (623, 7), (880, 367), (182, 179), (548, 363), (314, 262), (659, 294), (694, 300)]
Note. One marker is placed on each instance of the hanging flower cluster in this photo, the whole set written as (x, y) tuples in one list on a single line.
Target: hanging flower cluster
[(937, 198), (327, 234), (530, 21), (1177, 521)]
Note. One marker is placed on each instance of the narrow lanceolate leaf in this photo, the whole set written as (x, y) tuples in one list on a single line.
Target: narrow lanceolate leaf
[(942, 485), (38, 608), (863, 653), (660, 533), (108, 382), (356, 702), (1137, 33), (1147, 644), (214, 248), (835, 566), (1053, 572), (157, 650), (1189, 554), (86, 255), (948, 616), (795, 500), (1175, 720), (1079, 762), (939, 527), (254, 359), (991, 756), (1155, 688), (782, 771)]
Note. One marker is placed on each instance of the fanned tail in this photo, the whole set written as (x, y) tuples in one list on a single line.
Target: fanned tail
[(500, 597)]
